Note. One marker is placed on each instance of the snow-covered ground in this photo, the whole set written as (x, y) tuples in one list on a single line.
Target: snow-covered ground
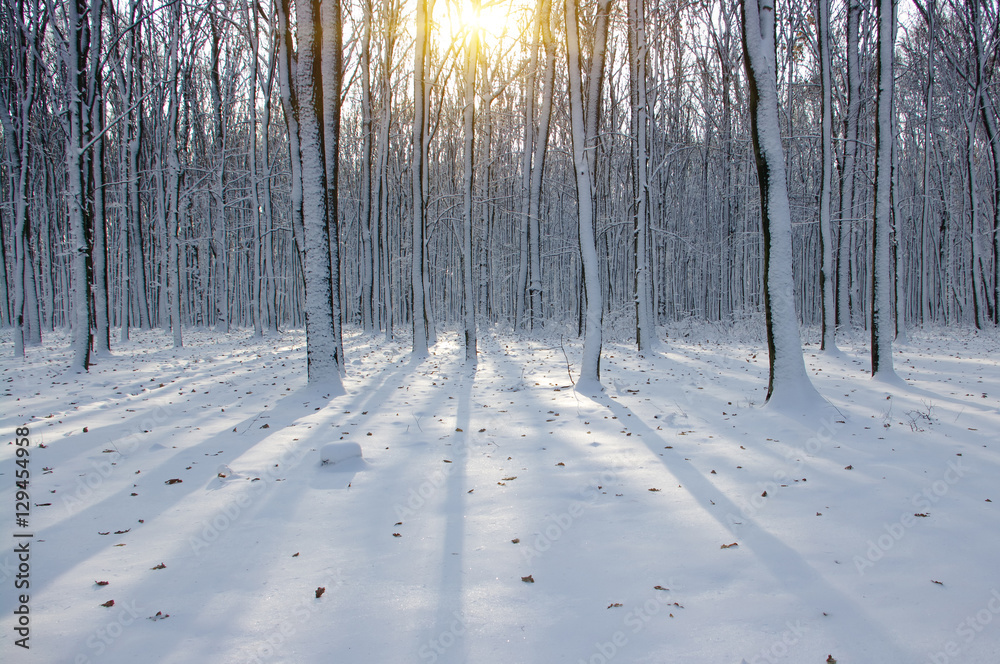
[(502, 516)]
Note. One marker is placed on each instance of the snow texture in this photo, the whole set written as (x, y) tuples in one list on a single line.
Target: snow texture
[(845, 525)]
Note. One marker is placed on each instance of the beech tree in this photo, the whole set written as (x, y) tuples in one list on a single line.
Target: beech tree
[(882, 328), (787, 378)]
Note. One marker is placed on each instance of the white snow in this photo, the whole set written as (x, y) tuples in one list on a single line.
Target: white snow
[(334, 453), (876, 540)]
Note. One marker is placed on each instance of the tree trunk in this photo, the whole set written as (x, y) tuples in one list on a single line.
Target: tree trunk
[(882, 328), (417, 166), (847, 216), (584, 128), (469, 125), (828, 339), (788, 383)]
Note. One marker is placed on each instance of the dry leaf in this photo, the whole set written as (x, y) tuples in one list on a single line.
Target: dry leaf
[(320, 591), (160, 566), (173, 481), (396, 535), (528, 579), (728, 546), (516, 540), (614, 605), (109, 603), (654, 489), (101, 583)]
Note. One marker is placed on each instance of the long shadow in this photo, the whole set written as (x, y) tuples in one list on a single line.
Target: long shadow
[(450, 621), (287, 411), (785, 564)]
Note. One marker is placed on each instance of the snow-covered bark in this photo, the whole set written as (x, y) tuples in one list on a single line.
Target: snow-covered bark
[(520, 304), (882, 327), (287, 77), (25, 27), (96, 113), (219, 241), (828, 340), (369, 258), (333, 71), (468, 159), (590, 367), (645, 323), (417, 166), (788, 383), (173, 185), (321, 342), (75, 53), (849, 160)]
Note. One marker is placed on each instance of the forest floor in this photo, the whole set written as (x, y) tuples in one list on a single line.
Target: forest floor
[(501, 516)]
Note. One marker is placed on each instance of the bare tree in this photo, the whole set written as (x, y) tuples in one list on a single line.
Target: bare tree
[(788, 382)]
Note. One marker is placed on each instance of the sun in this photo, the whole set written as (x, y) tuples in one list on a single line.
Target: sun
[(494, 21)]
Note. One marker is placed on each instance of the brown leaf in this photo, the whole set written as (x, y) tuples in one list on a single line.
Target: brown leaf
[(660, 588), (122, 532), (653, 489), (516, 540), (101, 583), (320, 591), (160, 566), (848, 467), (109, 603), (729, 546), (528, 579), (560, 464), (173, 481), (614, 605), (396, 535), (295, 555)]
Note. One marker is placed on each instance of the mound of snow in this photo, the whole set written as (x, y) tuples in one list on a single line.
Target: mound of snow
[(334, 453)]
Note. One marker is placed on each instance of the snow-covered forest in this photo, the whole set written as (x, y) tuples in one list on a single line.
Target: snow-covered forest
[(500, 330), (169, 165)]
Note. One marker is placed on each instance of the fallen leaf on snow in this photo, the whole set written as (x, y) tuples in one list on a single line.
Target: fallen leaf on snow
[(729, 546), (528, 579), (320, 591), (109, 603)]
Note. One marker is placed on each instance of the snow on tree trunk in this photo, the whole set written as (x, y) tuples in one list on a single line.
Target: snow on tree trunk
[(645, 325), (590, 367), (788, 384), (76, 57), (828, 340), (850, 155), (417, 165), (333, 70), (882, 327), (469, 121), (321, 343)]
